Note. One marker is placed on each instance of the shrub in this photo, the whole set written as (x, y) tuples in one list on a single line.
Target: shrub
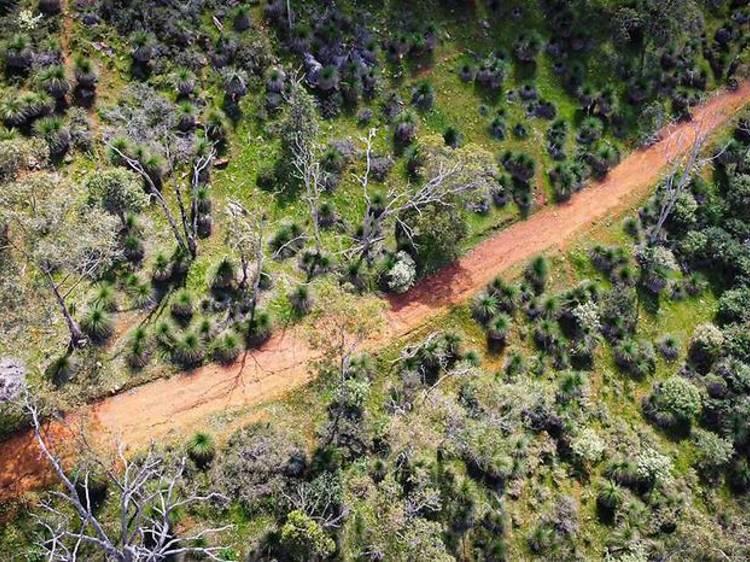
[(588, 447), (734, 306), (705, 346), (403, 273), (302, 538), (712, 453), (201, 449), (257, 464), (658, 264), (673, 402), (652, 468)]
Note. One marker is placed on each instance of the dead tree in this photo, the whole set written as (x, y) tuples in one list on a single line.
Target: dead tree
[(148, 494), (682, 170), (441, 189), (307, 170), (186, 231), (246, 236)]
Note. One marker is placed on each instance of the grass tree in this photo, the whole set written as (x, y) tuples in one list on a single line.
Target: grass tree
[(66, 240), (201, 449), (84, 72)]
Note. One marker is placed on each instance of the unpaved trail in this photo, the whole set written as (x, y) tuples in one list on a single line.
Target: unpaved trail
[(182, 403)]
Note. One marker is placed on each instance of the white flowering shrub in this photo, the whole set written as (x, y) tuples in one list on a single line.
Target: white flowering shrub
[(27, 20), (587, 315), (588, 446), (402, 275), (653, 467)]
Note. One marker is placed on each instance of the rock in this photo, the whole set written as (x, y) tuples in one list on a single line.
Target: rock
[(12, 379), (221, 163)]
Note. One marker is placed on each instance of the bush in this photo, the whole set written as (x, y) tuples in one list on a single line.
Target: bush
[(138, 349), (712, 453), (734, 306), (259, 328), (403, 273), (188, 350), (182, 305), (673, 403), (227, 348), (537, 273), (669, 347), (484, 306), (497, 329), (302, 538), (610, 497), (705, 346), (652, 468)]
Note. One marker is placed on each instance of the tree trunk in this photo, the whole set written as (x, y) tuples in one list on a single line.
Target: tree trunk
[(77, 338)]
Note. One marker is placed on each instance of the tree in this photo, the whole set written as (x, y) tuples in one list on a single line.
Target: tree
[(148, 493), (683, 169), (648, 23), (245, 234), (65, 239), (186, 231), (438, 196), (433, 233), (117, 191)]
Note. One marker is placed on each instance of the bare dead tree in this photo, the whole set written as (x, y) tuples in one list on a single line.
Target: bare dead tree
[(444, 184), (683, 168), (307, 170), (148, 492), (246, 236), (185, 232)]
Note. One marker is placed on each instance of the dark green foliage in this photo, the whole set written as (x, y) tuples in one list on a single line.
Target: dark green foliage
[(201, 449), (97, 324), (437, 232), (188, 350)]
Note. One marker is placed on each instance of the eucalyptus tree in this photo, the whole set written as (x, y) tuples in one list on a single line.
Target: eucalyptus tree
[(56, 231)]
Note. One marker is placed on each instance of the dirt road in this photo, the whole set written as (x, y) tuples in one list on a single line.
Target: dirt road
[(180, 404)]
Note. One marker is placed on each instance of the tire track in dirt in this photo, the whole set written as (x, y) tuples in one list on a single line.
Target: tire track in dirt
[(181, 403)]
